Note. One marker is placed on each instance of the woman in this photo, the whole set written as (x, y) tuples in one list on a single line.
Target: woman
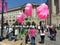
[(42, 34), (53, 34), (32, 33)]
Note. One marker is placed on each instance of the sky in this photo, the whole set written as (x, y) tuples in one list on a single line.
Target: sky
[(16, 3)]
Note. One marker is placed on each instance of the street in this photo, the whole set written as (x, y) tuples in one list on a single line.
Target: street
[(47, 40)]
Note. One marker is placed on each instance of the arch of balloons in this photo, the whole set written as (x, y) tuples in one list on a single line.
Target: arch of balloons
[(42, 12)]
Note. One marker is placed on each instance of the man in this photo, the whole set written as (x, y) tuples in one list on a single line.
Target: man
[(10, 34)]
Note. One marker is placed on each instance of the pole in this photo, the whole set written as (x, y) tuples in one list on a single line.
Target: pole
[(49, 20), (2, 18), (50, 12)]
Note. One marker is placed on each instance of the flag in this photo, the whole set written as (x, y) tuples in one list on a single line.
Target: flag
[(0, 0), (5, 6), (0, 6)]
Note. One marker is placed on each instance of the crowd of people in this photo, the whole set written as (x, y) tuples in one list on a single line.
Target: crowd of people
[(41, 31), (31, 33)]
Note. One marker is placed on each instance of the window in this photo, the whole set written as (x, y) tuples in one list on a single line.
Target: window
[(9, 20), (13, 20)]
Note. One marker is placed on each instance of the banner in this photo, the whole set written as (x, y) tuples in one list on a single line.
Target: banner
[(0, 6), (0, 0), (5, 6)]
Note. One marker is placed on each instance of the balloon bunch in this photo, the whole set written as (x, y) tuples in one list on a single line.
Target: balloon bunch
[(42, 11), (28, 9), (20, 17), (28, 12)]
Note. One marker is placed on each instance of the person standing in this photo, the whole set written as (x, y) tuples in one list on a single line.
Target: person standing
[(53, 34), (16, 33), (47, 27), (10, 33), (32, 34), (42, 34)]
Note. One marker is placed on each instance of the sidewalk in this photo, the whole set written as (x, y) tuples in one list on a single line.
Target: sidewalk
[(6, 42)]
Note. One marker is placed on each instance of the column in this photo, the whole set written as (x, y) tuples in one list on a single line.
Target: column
[(53, 7), (34, 13), (59, 6), (49, 2)]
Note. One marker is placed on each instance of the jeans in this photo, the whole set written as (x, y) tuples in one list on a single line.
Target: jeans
[(10, 36), (33, 41), (15, 38), (53, 37), (27, 39), (42, 39)]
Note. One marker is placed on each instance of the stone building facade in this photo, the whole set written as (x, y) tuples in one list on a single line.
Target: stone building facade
[(54, 7)]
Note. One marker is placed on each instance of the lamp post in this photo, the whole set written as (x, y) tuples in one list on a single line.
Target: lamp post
[(2, 18)]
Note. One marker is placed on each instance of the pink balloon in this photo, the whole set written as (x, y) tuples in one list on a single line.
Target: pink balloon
[(42, 15), (42, 11), (38, 10), (29, 5), (45, 7), (28, 11), (20, 17)]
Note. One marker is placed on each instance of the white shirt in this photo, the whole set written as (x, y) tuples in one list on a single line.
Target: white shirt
[(10, 30), (47, 26), (42, 33), (38, 27)]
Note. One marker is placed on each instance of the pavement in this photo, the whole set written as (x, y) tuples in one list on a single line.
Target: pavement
[(6, 42), (47, 40)]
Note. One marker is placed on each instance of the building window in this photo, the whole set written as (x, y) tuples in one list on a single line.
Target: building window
[(13, 20), (9, 20)]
